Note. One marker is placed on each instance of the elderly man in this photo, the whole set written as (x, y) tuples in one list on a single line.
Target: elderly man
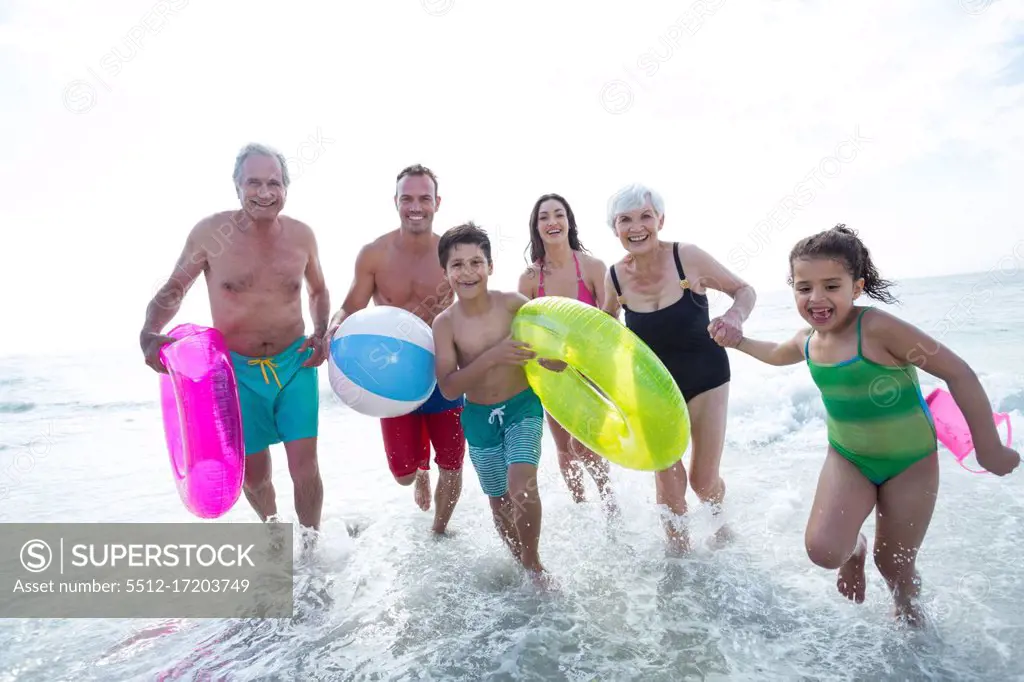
[(256, 261), (401, 268), (662, 286)]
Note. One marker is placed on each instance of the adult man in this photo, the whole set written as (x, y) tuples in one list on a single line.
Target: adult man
[(255, 261), (401, 269)]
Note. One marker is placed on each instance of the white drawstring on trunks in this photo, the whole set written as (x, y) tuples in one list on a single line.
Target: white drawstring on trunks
[(498, 412)]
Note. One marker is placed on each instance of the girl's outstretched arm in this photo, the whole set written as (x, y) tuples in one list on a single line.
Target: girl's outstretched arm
[(909, 344), (786, 353)]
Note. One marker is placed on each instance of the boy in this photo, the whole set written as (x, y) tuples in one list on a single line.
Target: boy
[(503, 418)]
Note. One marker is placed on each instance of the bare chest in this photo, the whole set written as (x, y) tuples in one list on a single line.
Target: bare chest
[(260, 269), (476, 336), (417, 285), (649, 294), (561, 282)]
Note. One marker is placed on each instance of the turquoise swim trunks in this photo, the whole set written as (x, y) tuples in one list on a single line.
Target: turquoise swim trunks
[(280, 398), (503, 434)]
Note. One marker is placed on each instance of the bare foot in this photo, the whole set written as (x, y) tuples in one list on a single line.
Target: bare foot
[(310, 540), (906, 610), (441, 532), (611, 507), (544, 581), (421, 490), (678, 543), (909, 614), (851, 574), (722, 537), (539, 575)]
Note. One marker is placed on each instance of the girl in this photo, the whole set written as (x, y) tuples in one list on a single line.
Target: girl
[(882, 445), (560, 266)]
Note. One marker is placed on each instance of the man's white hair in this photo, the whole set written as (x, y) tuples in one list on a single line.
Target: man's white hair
[(631, 198), (256, 149)]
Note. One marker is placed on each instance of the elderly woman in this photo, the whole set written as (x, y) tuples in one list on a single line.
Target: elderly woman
[(662, 288)]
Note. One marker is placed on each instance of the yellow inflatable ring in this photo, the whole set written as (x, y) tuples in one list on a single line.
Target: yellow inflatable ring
[(640, 421)]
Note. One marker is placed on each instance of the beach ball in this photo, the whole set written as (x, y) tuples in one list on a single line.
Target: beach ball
[(381, 362)]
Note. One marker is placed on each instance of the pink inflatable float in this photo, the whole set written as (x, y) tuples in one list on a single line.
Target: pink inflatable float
[(202, 420), (951, 428)]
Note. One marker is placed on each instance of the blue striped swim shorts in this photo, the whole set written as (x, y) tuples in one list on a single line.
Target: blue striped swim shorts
[(502, 434)]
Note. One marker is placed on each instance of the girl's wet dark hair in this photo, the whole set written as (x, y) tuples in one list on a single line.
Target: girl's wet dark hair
[(843, 245), (536, 247)]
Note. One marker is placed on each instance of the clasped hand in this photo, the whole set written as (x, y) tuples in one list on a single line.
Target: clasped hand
[(727, 330)]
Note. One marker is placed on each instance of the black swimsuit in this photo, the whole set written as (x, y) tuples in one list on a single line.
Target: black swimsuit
[(678, 335)]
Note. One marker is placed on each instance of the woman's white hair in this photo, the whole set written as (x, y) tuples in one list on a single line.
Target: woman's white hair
[(631, 198), (256, 149)]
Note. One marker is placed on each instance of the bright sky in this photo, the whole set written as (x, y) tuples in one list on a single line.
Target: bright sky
[(121, 121)]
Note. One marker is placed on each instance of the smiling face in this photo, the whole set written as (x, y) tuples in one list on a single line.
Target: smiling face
[(261, 189), (416, 200), (552, 222), (824, 291), (637, 230), (467, 271)]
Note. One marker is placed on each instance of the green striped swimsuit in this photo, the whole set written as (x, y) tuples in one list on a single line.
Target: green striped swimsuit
[(877, 417)]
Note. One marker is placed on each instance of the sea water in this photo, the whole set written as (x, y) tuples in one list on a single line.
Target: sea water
[(81, 440)]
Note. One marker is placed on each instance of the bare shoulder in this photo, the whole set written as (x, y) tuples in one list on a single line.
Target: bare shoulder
[(222, 221), (615, 267), (295, 226), (690, 251), (591, 261), (801, 336), (373, 251), (593, 265), (443, 320), (531, 273), (876, 321), (513, 300)]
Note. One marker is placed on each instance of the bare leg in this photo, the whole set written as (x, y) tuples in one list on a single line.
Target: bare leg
[(905, 506), (449, 489), (501, 510), (446, 435), (566, 461), (708, 413), (596, 466), (523, 489), (258, 487), (842, 502), (309, 487), (406, 441), (670, 485)]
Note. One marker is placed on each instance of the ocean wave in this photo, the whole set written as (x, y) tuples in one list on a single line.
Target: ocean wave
[(1014, 402), (16, 407)]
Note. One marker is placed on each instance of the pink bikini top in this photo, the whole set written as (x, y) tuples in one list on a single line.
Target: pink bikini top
[(582, 292)]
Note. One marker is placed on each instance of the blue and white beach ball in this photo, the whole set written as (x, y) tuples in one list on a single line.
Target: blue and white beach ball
[(381, 362)]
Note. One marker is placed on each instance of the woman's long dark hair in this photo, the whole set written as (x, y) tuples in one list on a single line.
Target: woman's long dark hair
[(536, 247)]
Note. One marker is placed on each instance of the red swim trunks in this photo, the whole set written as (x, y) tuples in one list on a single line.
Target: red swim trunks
[(407, 441)]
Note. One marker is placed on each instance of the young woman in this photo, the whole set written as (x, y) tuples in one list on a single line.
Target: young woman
[(560, 266)]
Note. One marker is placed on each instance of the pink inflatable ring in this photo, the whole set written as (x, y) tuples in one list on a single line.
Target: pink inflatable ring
[(202, 420)]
